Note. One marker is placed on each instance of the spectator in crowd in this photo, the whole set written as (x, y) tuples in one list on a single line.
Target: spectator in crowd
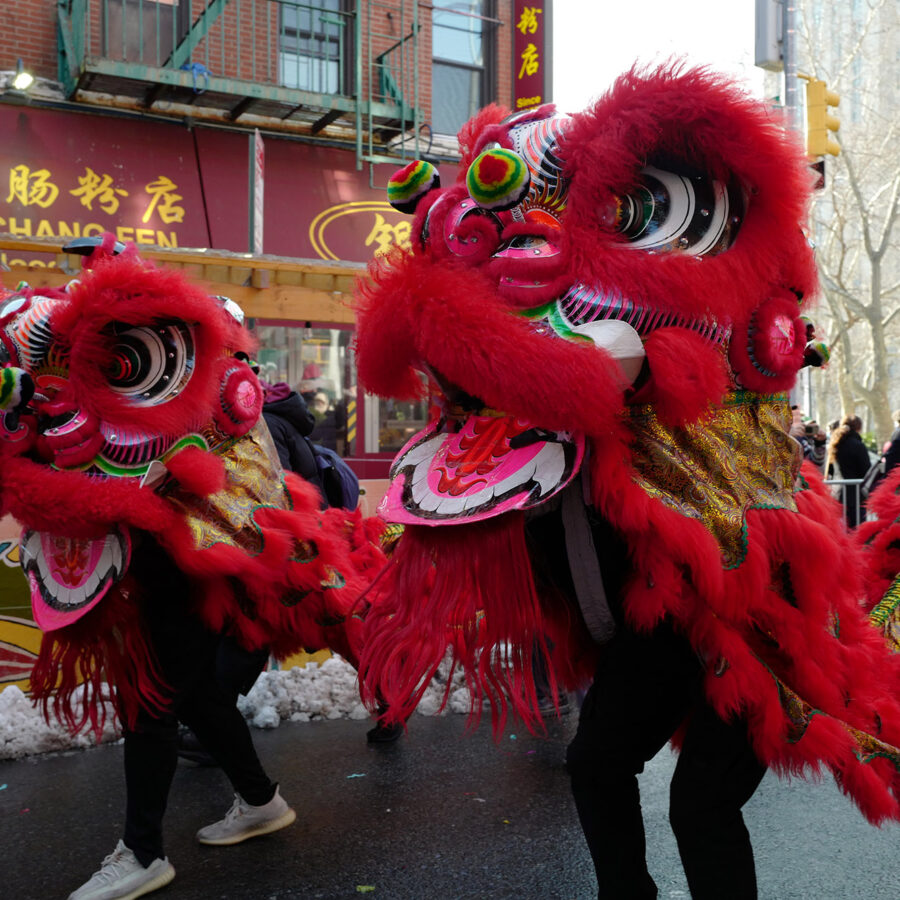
[(848, 459), (810, 436), (892, 448), (291, 423), (325, 431)]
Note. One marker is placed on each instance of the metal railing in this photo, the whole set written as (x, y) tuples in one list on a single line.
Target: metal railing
[(847, 491), (280, 42)]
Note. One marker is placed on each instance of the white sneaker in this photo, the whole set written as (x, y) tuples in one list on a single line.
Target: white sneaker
[(122, 877), (244, 821)]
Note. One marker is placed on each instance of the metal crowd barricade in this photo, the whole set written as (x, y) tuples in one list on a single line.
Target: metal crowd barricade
[(851, 500)]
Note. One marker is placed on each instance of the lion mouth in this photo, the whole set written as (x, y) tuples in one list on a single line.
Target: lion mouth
[(474, 463), (69, 576)]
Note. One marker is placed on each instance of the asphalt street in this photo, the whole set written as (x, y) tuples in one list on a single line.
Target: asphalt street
[(441, 814)]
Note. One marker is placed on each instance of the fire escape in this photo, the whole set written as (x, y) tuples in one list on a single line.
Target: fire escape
[(338, 69)]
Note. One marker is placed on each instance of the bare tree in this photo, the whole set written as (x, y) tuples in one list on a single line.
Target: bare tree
[(853, 48)]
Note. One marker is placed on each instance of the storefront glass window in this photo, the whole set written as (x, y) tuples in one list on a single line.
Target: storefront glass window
[(318, 363), (394, 421)]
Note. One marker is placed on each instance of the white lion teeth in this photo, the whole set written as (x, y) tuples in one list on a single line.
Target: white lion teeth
[(541, 476), (420, 490), (431, 501), (450, 506), (72, 596), (109, 567), (423, 452), (550, 464)]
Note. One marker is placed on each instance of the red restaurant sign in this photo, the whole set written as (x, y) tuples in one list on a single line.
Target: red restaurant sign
[(531, 54), (68, 174)]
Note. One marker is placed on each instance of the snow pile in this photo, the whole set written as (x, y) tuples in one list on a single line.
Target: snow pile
[(23, 730), (329, 691)]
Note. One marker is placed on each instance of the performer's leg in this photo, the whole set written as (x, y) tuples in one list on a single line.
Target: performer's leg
[(644, 686), (716, 775), (209, 710), (150, 760)]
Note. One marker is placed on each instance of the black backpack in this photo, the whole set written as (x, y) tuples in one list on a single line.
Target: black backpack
[(339, 481)]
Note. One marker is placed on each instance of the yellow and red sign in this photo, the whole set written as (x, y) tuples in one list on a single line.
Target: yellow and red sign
[(532, 61)]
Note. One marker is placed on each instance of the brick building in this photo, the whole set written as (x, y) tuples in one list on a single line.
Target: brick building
[(141, 121)]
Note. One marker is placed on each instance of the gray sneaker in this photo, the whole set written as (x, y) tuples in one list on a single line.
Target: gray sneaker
[(244, 821), (122, 877)]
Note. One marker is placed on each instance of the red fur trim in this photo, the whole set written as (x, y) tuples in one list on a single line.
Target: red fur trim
[(45, 500), (704, 120), (470, 136), (107, 646), (124, 289), (879, 538), (687, 375), (198, 471), (300, 591), (468, 589), (408, 313), (776, 592)]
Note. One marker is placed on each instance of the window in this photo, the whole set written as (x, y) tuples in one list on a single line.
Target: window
[(462, 62), (319, 364), (393, 423), (312, 46), (144, 30)]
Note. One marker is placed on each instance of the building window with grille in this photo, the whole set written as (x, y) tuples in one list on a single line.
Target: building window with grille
[(313, 41), (462, 67), (144, 31)]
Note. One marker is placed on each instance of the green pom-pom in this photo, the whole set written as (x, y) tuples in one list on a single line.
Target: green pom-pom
[(498, 179), (16, 388), (408, 186)]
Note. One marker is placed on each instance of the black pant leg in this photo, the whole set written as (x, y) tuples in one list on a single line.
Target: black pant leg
[(716, 775), (209, 710), (643, 688), (151, 756)]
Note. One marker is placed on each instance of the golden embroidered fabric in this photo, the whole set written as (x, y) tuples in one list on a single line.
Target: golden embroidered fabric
[(253, 481), (885, 615), (739, 458), (799, 714)]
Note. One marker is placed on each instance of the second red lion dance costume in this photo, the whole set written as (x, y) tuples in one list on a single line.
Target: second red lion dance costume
[(608, 309)]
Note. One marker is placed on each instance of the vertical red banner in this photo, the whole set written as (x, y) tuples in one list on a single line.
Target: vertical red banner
[(531, 53)]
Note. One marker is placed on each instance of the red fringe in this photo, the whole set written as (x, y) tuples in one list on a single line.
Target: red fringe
[(879, 539), (106, 646), (468, 588)]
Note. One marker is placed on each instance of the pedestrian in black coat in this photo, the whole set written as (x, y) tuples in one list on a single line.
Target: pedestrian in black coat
[(290, 423), (849, 455)]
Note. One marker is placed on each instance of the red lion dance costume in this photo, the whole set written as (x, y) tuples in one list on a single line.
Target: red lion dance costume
[(607, 308), (129, 405)]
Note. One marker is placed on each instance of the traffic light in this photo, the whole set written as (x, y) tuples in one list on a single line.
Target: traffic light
[(819, 122)]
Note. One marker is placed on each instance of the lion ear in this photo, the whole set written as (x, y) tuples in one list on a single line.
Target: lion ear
[(767, 347), (471, 135)]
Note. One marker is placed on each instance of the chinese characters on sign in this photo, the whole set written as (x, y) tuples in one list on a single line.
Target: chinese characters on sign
[(384, 235), (531, 56), (36, 189)]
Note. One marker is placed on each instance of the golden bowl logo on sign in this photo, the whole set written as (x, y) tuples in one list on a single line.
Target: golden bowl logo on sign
[(384, 227)]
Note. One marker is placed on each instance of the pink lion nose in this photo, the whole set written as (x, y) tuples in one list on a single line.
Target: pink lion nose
[(71, 436)]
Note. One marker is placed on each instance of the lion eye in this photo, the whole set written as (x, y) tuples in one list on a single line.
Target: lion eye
[(150, 364), (668, 212)]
